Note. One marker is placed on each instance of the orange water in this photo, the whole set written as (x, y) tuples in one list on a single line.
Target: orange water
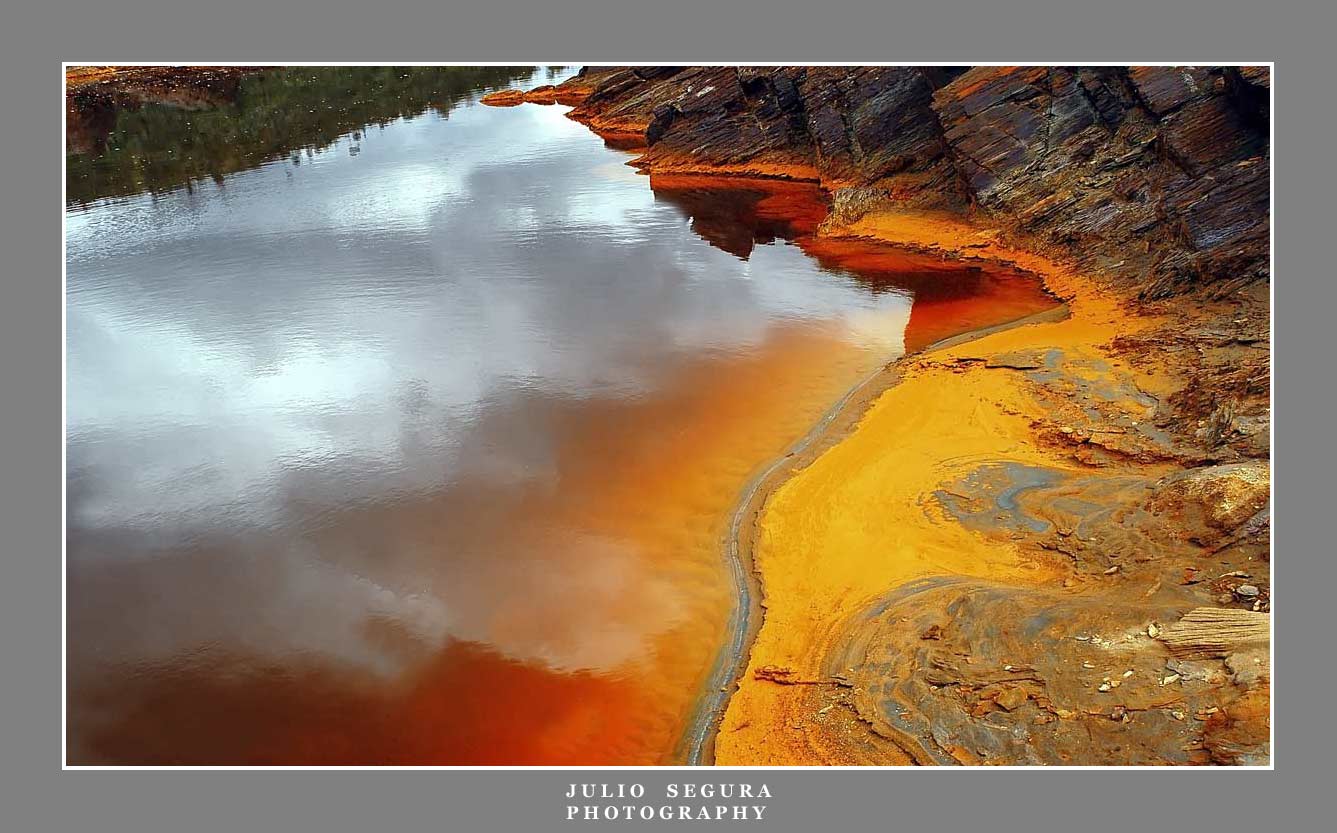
[(424, 454)]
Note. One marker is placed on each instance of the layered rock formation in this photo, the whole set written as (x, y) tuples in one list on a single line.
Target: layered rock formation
[(1153, 181), (1157, 176), (844, 126)]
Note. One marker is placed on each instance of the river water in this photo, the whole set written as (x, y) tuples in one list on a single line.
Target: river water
[(404, 430)]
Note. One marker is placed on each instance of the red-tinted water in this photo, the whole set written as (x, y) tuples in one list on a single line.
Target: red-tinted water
[(423, 454)]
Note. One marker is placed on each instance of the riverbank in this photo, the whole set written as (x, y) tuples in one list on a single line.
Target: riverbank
[(94, 95), (977, 567), (954, 490), (1048, 545), (740, 547)]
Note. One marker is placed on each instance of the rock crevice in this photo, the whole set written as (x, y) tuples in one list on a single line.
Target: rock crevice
[(1154, 177)]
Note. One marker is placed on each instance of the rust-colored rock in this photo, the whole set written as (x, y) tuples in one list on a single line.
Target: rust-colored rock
[(546, 94), (1157, 176), (504, 98), (1214, 501)]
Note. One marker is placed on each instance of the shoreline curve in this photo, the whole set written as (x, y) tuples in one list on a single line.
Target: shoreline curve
[(697, 746)]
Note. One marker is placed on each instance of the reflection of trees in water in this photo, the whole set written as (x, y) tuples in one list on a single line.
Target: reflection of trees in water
[(93, 108), (160, 138)]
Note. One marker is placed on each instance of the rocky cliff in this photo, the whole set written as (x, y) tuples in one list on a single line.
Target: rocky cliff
[(1156, 177), (1152, 181)]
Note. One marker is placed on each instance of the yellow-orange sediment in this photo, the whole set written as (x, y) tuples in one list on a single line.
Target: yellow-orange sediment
[(857, 521)]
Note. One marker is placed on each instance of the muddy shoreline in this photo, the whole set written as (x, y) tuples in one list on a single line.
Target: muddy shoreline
[(836, 424)]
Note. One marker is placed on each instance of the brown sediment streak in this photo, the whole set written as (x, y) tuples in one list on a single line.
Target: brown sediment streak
[(752, 169)]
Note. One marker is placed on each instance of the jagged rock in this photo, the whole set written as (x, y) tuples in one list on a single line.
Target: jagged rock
[(876, 124), (847, 126), (1103, 161), (1239, 735), (1217, 632), (1011, 698), (1156, 175), (546, 94), (1250, 668), (1216, 499)]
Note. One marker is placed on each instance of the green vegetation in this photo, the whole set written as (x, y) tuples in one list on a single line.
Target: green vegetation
[(159, 147)]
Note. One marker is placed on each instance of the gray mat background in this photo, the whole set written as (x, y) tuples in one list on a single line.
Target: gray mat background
[(36, 36)]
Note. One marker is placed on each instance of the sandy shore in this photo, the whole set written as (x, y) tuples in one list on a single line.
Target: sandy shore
[(835, 426), (849, 523)]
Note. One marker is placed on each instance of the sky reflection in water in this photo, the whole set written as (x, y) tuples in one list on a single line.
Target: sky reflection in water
[(434, 387)]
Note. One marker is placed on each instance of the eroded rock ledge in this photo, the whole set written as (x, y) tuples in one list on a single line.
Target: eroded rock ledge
[(1157, 176), (1153, 182)]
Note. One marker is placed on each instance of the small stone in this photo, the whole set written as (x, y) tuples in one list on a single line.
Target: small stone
[(1153, 631), (1177, 714), (1119, 713), (1011, 698), (1128, 673), (1105, 686), (1112, 570), (1247, 591)]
